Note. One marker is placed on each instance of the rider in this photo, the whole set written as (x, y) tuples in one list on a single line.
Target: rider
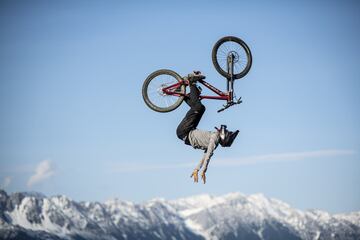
[(205, 140)]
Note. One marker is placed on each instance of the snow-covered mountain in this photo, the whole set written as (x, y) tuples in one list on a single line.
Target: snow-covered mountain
[(233, 216)]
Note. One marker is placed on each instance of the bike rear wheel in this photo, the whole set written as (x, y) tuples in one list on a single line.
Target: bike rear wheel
[(153, 94), (237, 47)]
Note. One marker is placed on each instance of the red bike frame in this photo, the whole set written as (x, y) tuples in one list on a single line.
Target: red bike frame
[(170, 90)]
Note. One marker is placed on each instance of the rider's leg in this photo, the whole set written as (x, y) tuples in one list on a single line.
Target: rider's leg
[(193, 116), (193, 99)]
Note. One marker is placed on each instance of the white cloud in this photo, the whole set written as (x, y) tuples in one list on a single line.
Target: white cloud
[(256, 159), (284, 157), (43, 171), (6, 182)]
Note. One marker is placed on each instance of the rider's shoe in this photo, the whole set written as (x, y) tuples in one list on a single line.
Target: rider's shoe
[(194, 77)]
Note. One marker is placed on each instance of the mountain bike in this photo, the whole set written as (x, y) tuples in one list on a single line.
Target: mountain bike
[(164, 90)]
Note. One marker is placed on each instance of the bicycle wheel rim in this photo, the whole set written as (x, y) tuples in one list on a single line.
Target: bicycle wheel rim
[(153, 94), (242, 61)]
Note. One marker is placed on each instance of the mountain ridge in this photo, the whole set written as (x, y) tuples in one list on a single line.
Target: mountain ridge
[(231, 216)]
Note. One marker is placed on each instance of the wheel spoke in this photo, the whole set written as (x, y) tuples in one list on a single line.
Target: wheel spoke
[(155, 94), (224, 48)]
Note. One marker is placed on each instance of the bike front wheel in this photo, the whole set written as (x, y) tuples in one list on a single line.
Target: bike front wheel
[(153, 91), (242, 56)]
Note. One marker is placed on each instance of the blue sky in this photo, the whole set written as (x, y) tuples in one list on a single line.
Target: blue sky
[(73, 120)]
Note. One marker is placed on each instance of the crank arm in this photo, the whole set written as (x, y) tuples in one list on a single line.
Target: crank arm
[(230, 104), (222, 109), (226, 106)]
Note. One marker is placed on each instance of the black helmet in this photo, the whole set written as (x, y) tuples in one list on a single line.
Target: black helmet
[(227, 137)]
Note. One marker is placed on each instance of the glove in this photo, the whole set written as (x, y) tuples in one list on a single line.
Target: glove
[(195, 175), (203, 177)]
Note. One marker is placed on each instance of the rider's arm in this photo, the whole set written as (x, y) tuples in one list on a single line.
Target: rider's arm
[(199, 166), (213, 143)]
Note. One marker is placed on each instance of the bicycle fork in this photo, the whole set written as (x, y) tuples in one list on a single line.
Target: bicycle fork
[(230, 83)]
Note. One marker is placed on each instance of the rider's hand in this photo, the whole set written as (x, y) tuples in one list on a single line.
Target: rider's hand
[(195, 175), (203, 176)]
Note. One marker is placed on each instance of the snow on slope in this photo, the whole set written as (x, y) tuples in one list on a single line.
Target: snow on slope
[(214, 217), (232, 216)]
